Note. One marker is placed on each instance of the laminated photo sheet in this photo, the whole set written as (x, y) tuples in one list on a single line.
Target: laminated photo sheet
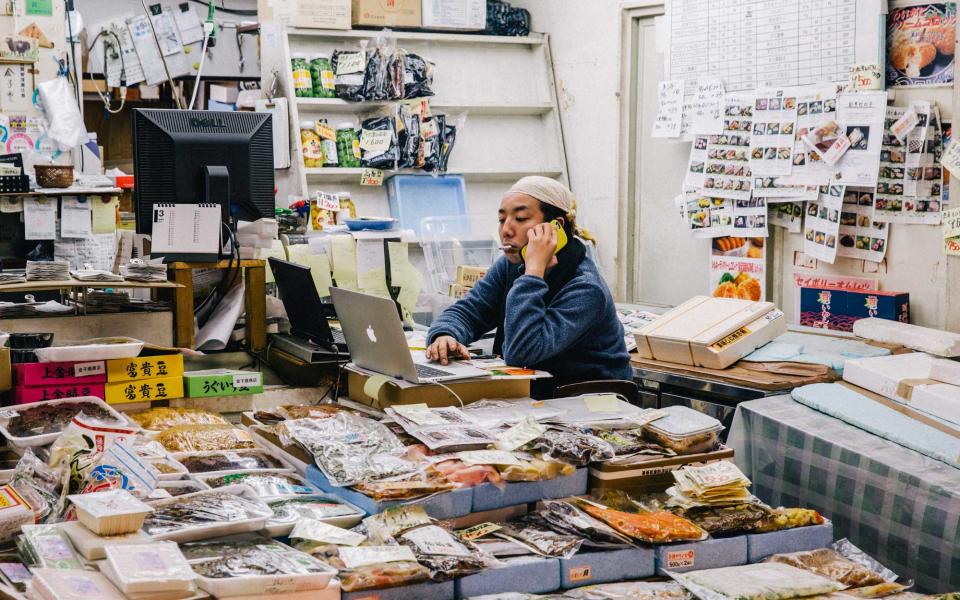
[(860, 236), (916, 141), (861, 117), (697, 162), (788, 215), (749, 218), (891, 203), (727, 173), (774, 126), (710, 217), (816, 106), (702, 108), (822, 224)]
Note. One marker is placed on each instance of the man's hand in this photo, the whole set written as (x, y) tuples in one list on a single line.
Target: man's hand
[(541, 245), (445, 348)]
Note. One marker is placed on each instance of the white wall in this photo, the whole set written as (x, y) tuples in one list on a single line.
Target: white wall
[(585, 42)]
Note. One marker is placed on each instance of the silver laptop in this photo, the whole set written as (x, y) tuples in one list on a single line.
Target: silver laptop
[(375, 337)]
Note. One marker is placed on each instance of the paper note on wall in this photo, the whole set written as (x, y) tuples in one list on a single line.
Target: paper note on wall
[(319, 264), (951, 231), (375, 283), (370, 263), (344, 254), (404, 275), (667, 122), (99, 251), (39, 219), (104, 214), (74, 217)]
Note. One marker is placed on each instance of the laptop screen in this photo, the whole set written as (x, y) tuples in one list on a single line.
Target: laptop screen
[(301, 300)]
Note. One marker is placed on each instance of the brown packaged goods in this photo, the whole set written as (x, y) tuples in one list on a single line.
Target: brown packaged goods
[(201, 438), (161, 418), (832, 565)]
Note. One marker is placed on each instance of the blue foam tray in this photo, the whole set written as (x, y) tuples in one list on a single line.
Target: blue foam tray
[(487, 496), (531, 575), (427, 590), (711, 553), (588, 568), (413, 197), (455, 503), (800, 539)]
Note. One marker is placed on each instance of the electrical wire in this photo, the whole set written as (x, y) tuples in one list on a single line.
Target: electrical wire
[(231, 11), (459, 399), (196, 82), (123, 72)]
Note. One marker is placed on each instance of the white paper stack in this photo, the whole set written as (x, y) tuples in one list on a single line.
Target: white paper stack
[(48, 270)]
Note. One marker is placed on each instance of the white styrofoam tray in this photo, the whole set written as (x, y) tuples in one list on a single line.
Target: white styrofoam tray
[(212, 530), (20, 443)]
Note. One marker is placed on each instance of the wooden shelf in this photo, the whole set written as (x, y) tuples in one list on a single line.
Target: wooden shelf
[(70, 191), (342, 175), (39, 286), (335, 105), (449, 38)]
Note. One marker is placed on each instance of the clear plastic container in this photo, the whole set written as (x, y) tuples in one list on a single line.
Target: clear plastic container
[(685, 431), (450, 241), (208, 514), (148, 568), (113, 512), (321, 507), (73, 584)]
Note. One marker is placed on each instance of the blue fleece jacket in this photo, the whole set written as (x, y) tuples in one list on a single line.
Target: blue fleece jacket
[(576, 337)]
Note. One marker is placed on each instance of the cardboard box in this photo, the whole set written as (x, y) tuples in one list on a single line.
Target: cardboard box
[(454, 15), (402, 392), (147, 367), (59, 373), (386, 13), (650, 476), (711, 553), (488, 496), (523, 574), (800, 539), (467, 275), (836, 309), (222, 382), (223, 94), (455, 290), (25, 394), (144, 390), (314, 14), (710, 332), (589, 568), (427, 590), (447, 505)]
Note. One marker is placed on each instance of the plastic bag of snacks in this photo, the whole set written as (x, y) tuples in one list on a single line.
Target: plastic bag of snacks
[(378, 143), (200, 438), (443, 553), (655, 527), (161, 417)]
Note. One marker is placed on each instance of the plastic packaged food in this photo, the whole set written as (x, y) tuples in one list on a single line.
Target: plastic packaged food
[(348, 68), (148, 568), (39, 423), (540, 541), (310, 145), (206, 514), (14, 512), (378, 143), (788, 518), (630, 442), (348, 146), (832, 565), (443, 553), (72, 584), (168, 469), (266, 485), (846, 548), (728, 519), (418, 76), (685, 431), (536, 469), (91, 546), (202, 438), (47, 546), (574, 447), (630, 590), (653, 527), (38, 485), (350, 449), (113, 512), (321, 76), (172, 489), (403, 490), (302, 84), (564, 517), (464, 475), (161, 417), (320, 507), (230, 461), (370, 577), (761, 581), (313, 411)]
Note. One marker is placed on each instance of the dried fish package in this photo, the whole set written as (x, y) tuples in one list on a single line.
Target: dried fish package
[(574, 447), (440, 551), (541, 541), (564, 517)]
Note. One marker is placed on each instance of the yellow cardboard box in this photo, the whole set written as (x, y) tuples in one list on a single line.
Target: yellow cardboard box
[(469, 275), (144, 390), (387, 13), (434, 396), (147, 367)]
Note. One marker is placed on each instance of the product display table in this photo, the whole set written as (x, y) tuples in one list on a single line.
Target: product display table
[(895, 504)]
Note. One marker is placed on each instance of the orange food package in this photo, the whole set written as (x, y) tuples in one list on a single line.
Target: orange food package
[(654, 527)]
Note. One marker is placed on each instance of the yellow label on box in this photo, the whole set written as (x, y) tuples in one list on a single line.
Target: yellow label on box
[(730, 339), (145, 390), (580, 573), (148, 367)]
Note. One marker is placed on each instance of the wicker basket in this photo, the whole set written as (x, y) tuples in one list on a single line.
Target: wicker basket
[(54, 176)]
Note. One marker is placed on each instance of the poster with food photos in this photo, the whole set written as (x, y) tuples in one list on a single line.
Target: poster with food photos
[(727, 173), (788, 215), (913, 164), (860, 236), (920, 44), (918, 112), (861, 118), (738, 268), (822, 224), (750, 217), (774, 126), (816, 107), (697, 162)]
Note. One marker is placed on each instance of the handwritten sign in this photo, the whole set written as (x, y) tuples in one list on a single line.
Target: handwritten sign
[(951, 231), (866, 76), (371, 177), (951, 158), (667, 123)]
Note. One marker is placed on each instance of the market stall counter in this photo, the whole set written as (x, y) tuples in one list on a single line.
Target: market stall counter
[(894, 503)]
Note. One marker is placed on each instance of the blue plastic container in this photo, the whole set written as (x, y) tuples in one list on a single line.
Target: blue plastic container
[(799, 539), (413, 197), (488, 496), (370, 224), (589, 568)]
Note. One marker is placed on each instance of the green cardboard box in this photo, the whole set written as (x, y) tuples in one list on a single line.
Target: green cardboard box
[(222, 382)]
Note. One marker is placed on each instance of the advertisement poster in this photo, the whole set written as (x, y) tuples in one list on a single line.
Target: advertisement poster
[(920, 44), (738, 268)]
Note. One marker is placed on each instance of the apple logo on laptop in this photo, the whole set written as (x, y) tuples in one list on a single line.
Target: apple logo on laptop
[(371, 334)]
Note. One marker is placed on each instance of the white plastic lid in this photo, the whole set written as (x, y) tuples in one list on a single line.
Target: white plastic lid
[(308, 125), (73, 584), (682, 421), (109, 503), (151, 562)]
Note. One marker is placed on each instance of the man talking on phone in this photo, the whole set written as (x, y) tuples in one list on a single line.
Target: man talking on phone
[(547, 300)]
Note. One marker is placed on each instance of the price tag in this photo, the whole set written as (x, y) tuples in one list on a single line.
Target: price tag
[(680, 559), (371, 177), (328, 201), (325, 131), (580, 573), (478, 531), (246, 380), (87, 369), (375, 141), (350, 62)]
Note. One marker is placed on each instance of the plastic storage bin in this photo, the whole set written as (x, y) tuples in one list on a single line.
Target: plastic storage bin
[(451, 241), (413, 197)]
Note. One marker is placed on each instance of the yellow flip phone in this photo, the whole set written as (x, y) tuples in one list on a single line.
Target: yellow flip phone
[(561, 239)]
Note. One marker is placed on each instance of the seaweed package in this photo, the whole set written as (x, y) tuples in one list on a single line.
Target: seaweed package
[(395, 74), (430, 149), (375, 73), (443, 554), (728, 519), (408, 136), (417, 76), (448, 138), (541, 541), (349, 68), (378, 143)]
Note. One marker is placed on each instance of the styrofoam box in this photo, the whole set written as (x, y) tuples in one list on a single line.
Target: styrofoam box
[(455, 503), (883, 374), (19, 443), (527, 574), (427, 590), (331, 592), (799, 539), (941, 400), (947, 371), (588, 568), (711, 553), (488, 496), (924, 339)]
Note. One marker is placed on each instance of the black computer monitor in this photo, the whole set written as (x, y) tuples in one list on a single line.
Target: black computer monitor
[(200, 156)]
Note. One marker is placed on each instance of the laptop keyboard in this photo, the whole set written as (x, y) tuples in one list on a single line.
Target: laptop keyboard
[(425, 372)]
